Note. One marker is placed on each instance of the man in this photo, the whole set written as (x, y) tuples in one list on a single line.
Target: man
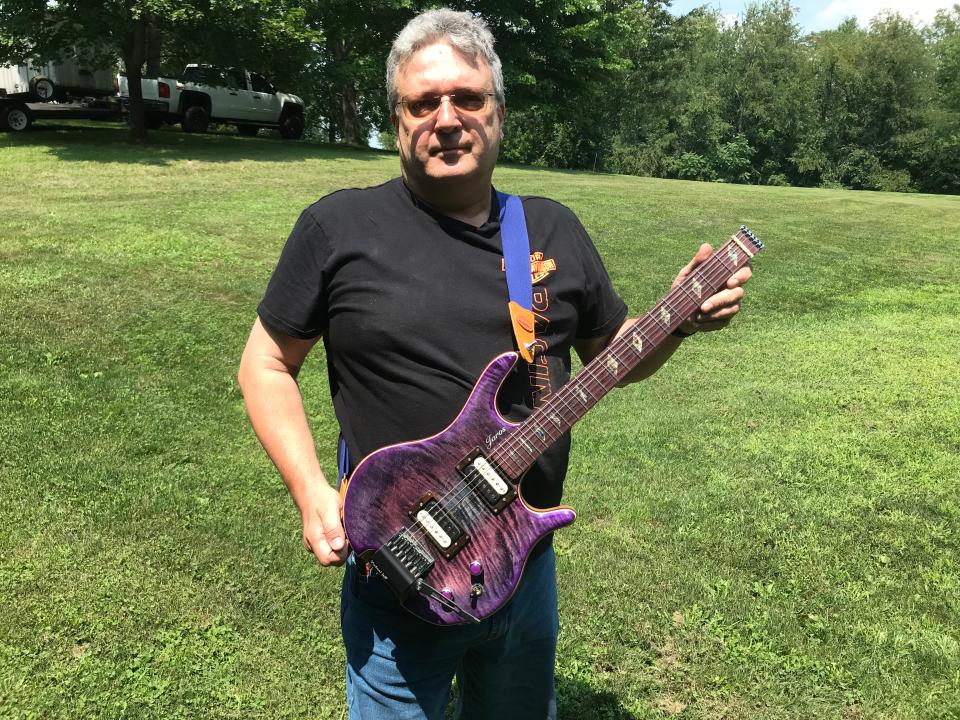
[(404, 284)]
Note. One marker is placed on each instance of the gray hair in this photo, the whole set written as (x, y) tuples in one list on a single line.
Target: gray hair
[(467, 33)]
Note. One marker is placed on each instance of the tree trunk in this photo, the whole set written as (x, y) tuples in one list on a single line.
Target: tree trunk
[(153, 51), (351, 126), (348, 95), (134, 54)]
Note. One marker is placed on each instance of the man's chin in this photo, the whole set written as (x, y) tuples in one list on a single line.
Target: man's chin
[(444, 167)]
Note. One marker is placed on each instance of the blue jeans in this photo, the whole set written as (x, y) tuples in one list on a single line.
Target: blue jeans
[(401, 668)]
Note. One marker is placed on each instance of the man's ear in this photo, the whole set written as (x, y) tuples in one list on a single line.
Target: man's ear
[(395, 121)]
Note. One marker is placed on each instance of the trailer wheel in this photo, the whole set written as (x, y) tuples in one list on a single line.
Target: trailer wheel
[(291, 126), (15, 118), (195, 119), (43, 89)]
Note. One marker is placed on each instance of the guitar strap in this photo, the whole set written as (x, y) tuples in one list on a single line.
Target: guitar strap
[(516, 263)]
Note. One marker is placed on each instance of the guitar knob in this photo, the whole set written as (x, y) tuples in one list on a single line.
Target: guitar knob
[(447, 593), (476, 569)]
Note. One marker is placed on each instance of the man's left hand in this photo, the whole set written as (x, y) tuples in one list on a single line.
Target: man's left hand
[(718, 310)]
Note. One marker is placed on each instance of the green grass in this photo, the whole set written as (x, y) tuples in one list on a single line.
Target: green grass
[(768, 527)]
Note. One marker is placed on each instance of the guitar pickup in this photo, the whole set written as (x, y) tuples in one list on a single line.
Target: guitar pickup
[(486, 481), (444, 532)]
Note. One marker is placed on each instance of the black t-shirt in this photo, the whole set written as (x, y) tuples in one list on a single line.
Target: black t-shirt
[(412, 305)]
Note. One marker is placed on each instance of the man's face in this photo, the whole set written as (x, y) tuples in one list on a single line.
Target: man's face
[(450, 143)]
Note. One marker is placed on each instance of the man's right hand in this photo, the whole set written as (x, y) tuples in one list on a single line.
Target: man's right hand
[(323, 533), (267, 377)]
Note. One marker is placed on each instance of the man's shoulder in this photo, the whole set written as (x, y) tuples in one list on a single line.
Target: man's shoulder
[(545, 211), (355, 200)]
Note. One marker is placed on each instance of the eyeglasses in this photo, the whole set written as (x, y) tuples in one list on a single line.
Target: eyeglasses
[(464, 99)]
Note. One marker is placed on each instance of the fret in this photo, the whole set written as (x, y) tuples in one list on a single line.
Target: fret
[(661, 316), (733, 254), (612, 364), (561, 410), (676, 311), (696, 287), (689, 291), (582, 395), (540, 433)]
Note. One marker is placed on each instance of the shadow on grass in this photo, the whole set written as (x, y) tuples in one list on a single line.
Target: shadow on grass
[(577, 700), (110, 142)]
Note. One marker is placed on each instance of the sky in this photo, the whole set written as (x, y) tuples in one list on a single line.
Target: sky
[(813, 15)]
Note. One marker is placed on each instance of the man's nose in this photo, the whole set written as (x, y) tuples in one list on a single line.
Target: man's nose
[(447, 117)]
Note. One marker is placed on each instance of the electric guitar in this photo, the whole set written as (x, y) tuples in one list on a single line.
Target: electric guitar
[(441, 520)]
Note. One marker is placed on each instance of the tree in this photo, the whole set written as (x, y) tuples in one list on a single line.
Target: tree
[(345, 77)]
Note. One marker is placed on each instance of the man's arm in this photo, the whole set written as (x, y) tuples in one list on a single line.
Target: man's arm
[(268, 380), (715, 313)]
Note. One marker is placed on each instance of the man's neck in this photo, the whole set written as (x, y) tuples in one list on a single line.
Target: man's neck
[(468, 203)]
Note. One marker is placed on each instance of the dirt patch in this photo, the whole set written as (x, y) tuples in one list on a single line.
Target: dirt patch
[(79, 650), (669, 705)]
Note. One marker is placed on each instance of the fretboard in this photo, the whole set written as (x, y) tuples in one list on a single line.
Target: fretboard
[(518, 450)]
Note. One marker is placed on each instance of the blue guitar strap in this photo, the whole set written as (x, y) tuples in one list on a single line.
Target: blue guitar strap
[(516, 263)]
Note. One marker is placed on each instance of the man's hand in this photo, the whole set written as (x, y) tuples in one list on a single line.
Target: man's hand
[(323, 533), (718, 310)]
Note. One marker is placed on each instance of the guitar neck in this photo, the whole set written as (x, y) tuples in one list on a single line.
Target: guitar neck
[(518, 450)]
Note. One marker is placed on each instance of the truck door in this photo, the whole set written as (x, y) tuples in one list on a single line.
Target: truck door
[(265, 99), (240, 101)]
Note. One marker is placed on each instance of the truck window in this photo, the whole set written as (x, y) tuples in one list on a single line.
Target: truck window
[(261, 84), (236, 80), (204, 76)]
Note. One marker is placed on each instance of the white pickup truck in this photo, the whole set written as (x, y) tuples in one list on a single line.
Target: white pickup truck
[(206, 93)]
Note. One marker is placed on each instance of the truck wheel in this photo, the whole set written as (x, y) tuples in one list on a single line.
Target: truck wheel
[(291, 126), (248, 130), (43, 89), (16, 118), (195, 120)]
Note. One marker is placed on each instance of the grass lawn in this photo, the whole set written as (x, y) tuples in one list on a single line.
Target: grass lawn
[(768, 528)]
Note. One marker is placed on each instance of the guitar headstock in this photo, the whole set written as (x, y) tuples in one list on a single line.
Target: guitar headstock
[(745, 234)]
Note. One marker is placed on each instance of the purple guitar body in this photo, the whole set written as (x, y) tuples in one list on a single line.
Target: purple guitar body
[(500, 542), (441, 520)]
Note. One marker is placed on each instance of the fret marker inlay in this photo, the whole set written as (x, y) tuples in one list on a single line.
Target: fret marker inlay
[(612, 365), (734, 255), (664, 315), (637, 342), (697, 288)]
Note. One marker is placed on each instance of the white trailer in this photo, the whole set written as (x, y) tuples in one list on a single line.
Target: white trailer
[(55, 81)]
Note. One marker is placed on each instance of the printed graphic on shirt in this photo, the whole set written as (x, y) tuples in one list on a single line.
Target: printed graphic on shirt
[(539, 371), (539, 267)]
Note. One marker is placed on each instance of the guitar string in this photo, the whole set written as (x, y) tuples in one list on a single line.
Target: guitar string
[(706, 273), (646, 325), (561, 399), (473, 478)]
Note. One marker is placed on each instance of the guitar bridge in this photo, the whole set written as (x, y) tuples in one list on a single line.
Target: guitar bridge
[(402, 561), (487, 481)]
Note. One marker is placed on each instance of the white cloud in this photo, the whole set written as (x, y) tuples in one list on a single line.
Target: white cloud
[(921, 11)]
